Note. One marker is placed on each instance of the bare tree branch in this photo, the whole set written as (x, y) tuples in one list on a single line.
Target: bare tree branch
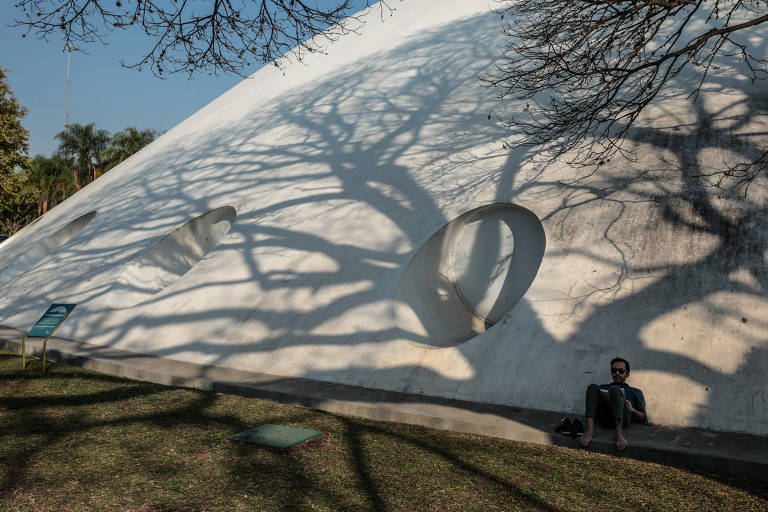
[(208, 35), (582, 71), (739, 177)]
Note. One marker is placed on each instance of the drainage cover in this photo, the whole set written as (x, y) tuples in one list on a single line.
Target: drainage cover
[(278, 436)]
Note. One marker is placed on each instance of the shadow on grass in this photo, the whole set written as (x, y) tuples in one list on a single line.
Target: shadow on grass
[(176, 439), (356, 429)]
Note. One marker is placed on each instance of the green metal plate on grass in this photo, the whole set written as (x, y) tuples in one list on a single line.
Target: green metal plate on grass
[(278, 436)]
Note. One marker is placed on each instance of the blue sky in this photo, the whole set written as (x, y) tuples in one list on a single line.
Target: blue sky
[(101, 90)]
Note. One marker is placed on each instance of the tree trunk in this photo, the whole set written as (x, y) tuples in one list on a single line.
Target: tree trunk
[(75, 178)]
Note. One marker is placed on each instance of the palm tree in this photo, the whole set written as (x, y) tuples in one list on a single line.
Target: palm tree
[(50, 180), (81, 146), (124, 144)]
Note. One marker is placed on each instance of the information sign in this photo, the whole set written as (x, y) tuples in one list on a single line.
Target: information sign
[(45, 327), (51, 320)]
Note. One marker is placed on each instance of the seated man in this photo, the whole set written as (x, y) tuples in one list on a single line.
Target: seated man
[(614, 405)]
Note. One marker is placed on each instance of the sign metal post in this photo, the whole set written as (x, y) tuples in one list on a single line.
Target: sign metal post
[(44, 328)]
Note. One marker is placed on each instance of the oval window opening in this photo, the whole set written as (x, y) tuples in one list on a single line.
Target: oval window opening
[(173, 256), (469, 275), (43, 248)]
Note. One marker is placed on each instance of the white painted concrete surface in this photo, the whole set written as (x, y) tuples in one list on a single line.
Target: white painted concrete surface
[(341, 170), (469, 275), (169, 259)]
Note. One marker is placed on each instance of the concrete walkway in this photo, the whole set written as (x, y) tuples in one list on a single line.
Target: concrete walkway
[(736, 454)]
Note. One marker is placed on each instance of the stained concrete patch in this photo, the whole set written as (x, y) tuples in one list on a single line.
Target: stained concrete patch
[(278, 436)]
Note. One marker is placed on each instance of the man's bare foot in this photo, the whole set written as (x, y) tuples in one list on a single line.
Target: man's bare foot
[(621, 442), (586, 438)]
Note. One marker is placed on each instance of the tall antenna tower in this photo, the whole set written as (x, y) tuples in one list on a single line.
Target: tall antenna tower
[(66, 115)]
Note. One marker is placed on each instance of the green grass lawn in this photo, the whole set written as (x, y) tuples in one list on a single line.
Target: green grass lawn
[(80, 440)]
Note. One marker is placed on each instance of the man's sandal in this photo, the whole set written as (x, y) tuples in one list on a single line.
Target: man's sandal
[(565, 427), (577, 428)]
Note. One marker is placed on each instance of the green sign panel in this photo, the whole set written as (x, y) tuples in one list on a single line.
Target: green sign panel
[(51, 320)]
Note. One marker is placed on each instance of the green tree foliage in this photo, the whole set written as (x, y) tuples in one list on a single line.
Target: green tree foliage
[(89, 152), (13, 136), (124, 144), (50, 181), (84, 153), (82, 146), (16, 204)]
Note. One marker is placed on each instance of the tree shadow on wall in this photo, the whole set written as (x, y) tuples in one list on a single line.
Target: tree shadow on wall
[(429, 115)]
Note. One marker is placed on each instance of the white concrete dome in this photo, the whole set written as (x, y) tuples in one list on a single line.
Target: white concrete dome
[(341, 172)]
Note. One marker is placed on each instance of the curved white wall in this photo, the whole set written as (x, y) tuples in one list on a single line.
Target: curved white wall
[(41, 249), (173, 256), (469, 275)]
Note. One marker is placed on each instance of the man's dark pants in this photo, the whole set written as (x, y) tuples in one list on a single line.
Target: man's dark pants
[(606, 410)]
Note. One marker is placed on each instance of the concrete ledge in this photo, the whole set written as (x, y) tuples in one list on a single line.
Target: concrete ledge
[(720, 452)]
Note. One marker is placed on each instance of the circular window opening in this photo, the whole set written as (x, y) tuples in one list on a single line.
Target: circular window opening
[(469, 275), (173, 256), (43, 248)]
